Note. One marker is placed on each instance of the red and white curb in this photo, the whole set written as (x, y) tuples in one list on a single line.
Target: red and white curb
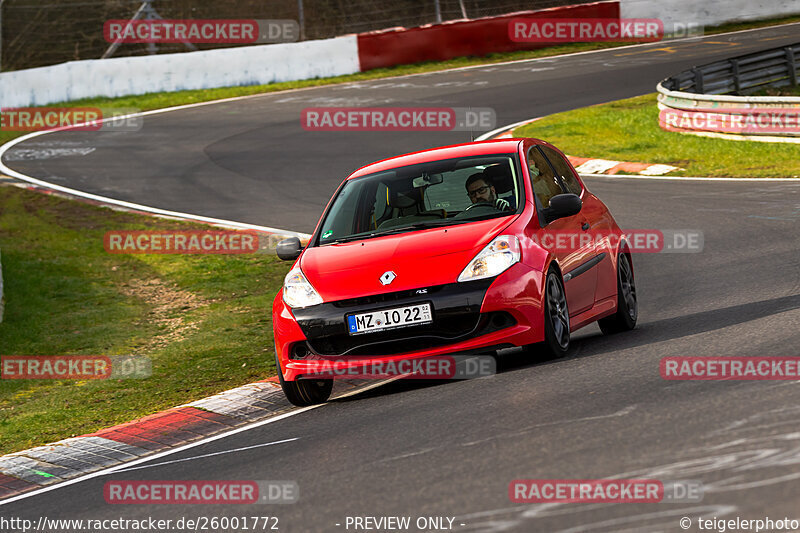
[(76, 457), (586, 165)]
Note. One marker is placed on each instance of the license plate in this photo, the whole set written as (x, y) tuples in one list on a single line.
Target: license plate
[(389, 319)]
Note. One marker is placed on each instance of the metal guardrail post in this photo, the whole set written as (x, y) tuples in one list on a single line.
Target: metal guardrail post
[(791, 65), (741, 75), (301, 18), (698, 80), (737, 83)]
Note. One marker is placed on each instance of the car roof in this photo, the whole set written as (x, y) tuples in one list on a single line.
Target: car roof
[(446, 152)]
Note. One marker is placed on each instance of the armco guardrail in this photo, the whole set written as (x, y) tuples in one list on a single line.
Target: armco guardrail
[(711, 100), (742, 75)]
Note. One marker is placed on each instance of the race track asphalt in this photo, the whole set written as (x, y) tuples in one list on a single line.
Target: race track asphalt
[(452, 448)]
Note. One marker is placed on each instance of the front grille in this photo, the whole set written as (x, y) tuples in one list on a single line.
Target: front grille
[(388, 298), (456, 317), (443, 331)]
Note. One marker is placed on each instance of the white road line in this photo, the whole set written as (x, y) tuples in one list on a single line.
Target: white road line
[(130, 205), (613, 49), (23, 177), (165, 453), (127, 465), (209, 455), (164, 212)]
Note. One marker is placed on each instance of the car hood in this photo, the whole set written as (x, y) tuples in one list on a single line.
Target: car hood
[(422, 258)]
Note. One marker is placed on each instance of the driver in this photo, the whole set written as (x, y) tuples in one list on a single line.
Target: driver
[(481, 191)]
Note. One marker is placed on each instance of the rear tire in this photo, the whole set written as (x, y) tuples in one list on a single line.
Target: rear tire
[(627, 304), (304, 392), (556, 320)]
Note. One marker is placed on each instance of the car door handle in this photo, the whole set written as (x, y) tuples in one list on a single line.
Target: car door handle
[(585, 226)]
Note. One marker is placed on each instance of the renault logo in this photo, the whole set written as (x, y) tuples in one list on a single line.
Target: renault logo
[(388, 277)]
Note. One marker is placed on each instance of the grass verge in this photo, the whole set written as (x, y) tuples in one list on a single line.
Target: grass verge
[(203, 320), (630, 132), (780, 91), (151, 101)]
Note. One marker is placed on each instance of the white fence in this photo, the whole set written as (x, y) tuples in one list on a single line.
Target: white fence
[(227, 67)]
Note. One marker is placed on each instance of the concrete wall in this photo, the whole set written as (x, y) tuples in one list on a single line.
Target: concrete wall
[(707, 12), (253, 65), (250, 65)]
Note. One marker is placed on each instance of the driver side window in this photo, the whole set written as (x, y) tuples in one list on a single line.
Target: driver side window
[(543, 180)]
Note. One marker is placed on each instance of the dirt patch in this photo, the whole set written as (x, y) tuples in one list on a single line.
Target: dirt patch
[(167, 302)]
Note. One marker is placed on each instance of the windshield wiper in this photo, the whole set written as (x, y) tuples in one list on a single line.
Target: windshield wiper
[(347, 239)]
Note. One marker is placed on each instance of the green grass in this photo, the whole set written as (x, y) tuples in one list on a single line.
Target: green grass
[(205, 321), (151, 101), (780, 91), (630, 132)]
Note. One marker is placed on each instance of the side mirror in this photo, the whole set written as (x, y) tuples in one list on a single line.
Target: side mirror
[(289, 249), (562, 206)]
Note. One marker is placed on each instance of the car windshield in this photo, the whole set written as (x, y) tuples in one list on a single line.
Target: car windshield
[(438, 193)]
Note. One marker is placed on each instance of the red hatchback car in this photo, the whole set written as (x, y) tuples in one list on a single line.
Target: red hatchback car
[(450, 250)]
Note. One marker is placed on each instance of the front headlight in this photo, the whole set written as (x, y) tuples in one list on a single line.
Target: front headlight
[(495, 258), (297, 291)]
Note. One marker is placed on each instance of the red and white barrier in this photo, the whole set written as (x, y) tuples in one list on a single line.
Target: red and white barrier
[(460, 38), (744, 118), (263, 64)]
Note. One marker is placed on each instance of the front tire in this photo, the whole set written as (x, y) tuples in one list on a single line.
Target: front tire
[(627, 304), (304, 392), (556, 319)]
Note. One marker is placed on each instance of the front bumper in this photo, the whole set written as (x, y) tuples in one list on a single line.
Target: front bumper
[(485, 314)]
